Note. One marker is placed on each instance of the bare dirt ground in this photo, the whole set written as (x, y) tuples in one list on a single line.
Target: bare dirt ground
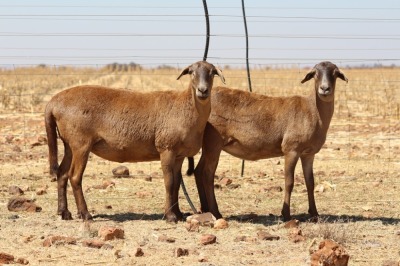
[(357, 178)]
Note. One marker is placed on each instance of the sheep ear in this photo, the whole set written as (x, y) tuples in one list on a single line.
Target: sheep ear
[(309, 75), (184, 72), (219, 73), (341, 76)]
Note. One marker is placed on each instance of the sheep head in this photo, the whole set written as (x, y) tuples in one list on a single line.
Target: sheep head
[(325, 75), (202, 77)]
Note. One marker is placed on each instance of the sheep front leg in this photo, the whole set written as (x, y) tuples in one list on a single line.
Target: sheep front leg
[(290, 165), (307, 164), (171, 182)]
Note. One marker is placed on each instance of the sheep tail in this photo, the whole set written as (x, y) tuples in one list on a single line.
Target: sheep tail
[(51, 131), (190, 169)]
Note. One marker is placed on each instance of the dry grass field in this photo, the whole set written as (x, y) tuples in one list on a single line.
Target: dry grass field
[(357, 178)]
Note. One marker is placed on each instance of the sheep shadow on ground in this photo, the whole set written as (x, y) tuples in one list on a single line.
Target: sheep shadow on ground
[(130, 216), (269, 220)]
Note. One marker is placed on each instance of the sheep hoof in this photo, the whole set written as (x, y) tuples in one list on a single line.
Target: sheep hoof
[(172, 218), (85, 216), (66, 215), (314, 218)]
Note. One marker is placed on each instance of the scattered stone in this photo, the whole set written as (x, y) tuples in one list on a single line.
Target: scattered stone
[(15, 190), (204, 219), (140, 172), (148, 178), (208, 239), (179, 252), (155, 174), (330, 253), (59, 240), (139, 252), (217, 186), (118, 254), (144, 194), (233, 186), (225, 181), (262, 235), (108, 207), (6, 258), (42, 190), (35, 144), (246, 239), (390, 263), (16, 149), (292, 224), (9, 138), (93, 243), (106, 185), (164, 238), (202, 258), (110, 233), (22, 204), (192, 226), (22, 261), (221, 224), (319, 188), (296, 235), (121, 171), (271, 189), (28, 239), (107, 246), (13, 217)]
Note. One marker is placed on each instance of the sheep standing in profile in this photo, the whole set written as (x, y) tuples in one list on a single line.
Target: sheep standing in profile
[(252, 126), (127, 126)]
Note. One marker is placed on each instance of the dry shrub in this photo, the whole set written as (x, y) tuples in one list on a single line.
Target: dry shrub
[(341, 231)]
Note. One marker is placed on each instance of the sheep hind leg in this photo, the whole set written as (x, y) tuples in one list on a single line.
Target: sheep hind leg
[(62, 180), (78, 165), (204, 174), (205, 170), (307, 164), (290, 165)]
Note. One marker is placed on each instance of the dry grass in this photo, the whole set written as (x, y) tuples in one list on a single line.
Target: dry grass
[(358, 167)]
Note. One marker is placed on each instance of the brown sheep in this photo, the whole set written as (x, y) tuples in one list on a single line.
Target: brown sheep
[(127, 126), (252, 126)]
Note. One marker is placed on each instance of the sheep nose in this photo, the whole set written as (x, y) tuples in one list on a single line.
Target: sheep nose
[(325, 89), (203, 89)]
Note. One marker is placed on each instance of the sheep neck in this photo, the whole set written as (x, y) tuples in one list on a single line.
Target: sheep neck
[(202, 107), (324, 109)]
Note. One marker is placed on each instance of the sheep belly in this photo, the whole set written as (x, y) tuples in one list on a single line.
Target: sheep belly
[(135, 152)]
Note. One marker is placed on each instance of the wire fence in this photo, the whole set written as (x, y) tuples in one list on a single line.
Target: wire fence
[(365, 128)]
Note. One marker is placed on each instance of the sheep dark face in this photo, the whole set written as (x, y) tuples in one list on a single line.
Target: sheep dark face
[(202, 78), (325, 75)]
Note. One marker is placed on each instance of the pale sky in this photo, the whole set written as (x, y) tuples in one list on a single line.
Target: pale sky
[(155, 32)]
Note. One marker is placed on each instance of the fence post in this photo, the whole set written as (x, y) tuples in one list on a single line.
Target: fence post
[(247, 62)]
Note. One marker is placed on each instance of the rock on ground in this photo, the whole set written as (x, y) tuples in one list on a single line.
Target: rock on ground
[(17, 204), (110, 233), (330, 253)]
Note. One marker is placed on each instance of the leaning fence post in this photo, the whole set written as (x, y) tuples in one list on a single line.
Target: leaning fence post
[(247, 61)]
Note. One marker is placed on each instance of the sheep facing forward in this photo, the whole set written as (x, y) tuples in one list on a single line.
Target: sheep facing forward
[(126, 126), (252, 126)]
